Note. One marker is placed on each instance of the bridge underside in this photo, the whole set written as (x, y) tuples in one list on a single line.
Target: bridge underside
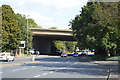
[(42, 38), (42, 43)]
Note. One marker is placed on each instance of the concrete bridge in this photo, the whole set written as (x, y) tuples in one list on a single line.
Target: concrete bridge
[(42, 38)]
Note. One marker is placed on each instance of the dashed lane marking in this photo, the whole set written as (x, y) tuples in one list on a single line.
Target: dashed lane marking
[(51, 72), (37, 76), (1, 72), (44, 74), (19, 69), (76, 62), (33, 66)]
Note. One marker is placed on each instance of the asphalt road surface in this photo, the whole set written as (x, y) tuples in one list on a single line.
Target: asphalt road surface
[(55, 67)]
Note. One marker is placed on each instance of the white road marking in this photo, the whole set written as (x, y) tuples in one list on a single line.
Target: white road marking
[(63, 68), (51, 72), (33, 66), (76, 62), (19, 69), (44, 74), (37, 76), (1, 72), (24, 68)]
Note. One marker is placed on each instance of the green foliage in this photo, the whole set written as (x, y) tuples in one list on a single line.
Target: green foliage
[(32, 24), (0, 29), (70, 45), (53, 28), (14, 29), (59, 45), (67, 46), (11, 33), (97, 26)]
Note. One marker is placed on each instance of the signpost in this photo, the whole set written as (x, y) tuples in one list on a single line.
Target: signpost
[(21, 46)]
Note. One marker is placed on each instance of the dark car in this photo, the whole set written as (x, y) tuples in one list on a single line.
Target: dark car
[(75, 55), (84, 53)]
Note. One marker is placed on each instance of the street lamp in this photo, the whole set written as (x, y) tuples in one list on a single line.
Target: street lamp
[(27, 32)]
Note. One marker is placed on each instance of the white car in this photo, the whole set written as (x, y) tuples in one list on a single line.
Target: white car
[(6, 56), (32, 51)]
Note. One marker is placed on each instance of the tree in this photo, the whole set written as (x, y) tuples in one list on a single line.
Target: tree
[(68, 46), (0, 28), (96, 27), (14, 29), (11, 33), (22, 22), (32, 23)]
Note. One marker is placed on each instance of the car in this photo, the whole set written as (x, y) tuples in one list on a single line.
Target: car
[(79, 52), (90, 53), (75, 55), (64, 55), (70, 54), (6, 56), (83, 53), (32, 51), (37, 53)]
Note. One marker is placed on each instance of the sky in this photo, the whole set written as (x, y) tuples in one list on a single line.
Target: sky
[(48, 13)]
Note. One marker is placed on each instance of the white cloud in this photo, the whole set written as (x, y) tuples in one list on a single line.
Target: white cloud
[(21, 3), (40, 19), (40, 10), (60, 3)]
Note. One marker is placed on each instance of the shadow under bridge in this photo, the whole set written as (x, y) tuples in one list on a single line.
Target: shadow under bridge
[(42, 38)]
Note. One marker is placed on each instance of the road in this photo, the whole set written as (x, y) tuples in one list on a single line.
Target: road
[(55, 67)]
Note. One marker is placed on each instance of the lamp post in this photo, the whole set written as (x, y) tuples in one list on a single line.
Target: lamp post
[(27, 33)]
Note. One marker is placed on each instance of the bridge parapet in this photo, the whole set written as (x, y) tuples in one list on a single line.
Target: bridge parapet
[(52, 32)]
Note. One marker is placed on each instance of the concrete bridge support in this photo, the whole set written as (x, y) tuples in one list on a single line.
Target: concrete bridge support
[(42, 44)]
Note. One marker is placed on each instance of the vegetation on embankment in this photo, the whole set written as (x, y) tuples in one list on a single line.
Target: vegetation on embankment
[(103, 58)]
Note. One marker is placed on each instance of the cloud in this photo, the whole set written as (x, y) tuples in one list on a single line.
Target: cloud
[(40, 19), (60, 4), (48, 13)]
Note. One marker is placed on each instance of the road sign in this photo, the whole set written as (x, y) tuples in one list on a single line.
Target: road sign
[(22, 44)]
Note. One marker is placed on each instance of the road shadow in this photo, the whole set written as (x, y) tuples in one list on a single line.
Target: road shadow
[(64, 59), (83, 67)]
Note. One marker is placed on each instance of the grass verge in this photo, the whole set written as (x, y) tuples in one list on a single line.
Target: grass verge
[(115, 58), (103, 58)]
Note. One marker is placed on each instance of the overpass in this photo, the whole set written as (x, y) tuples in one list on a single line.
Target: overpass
[(42, 38)]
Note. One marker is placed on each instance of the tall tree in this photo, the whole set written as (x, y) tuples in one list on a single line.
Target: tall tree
[(96, 27), (11, 33), (22, 23), (0, 28)]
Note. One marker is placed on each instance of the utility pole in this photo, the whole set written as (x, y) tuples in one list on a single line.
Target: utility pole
[(27, 32)]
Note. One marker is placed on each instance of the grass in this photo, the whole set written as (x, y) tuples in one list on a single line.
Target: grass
[(115, 58), (103, 58), (98, 58)]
